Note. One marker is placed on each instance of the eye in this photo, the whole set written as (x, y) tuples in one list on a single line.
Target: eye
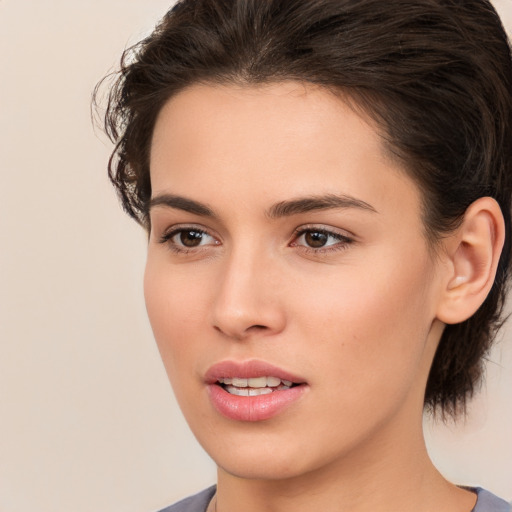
[(185, 238), (320, 239), (190, 238), (317, 239)]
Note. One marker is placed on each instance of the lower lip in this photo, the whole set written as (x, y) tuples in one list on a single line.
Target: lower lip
[(253, 408)]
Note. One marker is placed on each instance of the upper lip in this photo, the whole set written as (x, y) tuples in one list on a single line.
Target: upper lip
[(248, 369)]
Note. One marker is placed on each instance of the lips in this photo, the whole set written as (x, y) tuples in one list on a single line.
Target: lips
[(252, 390), (247, 370)]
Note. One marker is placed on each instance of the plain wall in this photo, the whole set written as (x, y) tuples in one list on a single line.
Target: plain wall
[(87, 419)]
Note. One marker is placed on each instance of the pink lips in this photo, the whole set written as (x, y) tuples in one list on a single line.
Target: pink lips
[(251, 408)]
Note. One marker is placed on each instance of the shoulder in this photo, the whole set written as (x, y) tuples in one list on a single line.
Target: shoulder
[(196, 503), (488, 502)]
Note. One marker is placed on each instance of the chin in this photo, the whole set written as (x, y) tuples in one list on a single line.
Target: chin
[(255, 457), (268, 469), (264, 458)]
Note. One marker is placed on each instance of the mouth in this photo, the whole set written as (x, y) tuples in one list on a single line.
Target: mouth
[(241, 377), (252, 390), (254, 386)]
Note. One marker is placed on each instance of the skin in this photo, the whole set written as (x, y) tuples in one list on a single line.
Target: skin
[(358, 319)]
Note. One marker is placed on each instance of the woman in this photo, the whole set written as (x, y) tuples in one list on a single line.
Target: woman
[(326, 189)]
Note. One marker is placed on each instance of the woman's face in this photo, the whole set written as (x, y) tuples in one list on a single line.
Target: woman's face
[(287, 245)]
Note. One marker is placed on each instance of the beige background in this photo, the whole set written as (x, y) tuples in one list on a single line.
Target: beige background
[(87, 419)]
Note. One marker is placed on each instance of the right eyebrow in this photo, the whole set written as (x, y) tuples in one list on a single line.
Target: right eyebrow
[(180, 203)]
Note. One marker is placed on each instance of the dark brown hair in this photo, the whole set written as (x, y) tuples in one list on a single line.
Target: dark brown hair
[(435, 75)]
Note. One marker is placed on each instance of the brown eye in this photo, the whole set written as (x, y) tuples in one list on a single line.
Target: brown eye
[(316, 239), (190, 238), (320, 240), (187, 238)]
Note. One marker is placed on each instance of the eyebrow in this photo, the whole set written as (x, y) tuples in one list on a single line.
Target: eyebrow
[(181, 203), (278, 210), (323, 202)]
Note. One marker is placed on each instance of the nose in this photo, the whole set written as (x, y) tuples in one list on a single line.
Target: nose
[(247, 302)]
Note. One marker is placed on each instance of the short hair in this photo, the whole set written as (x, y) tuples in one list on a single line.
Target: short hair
[(435, 75)]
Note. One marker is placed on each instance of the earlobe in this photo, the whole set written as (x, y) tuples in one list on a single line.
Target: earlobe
[(473, 252)]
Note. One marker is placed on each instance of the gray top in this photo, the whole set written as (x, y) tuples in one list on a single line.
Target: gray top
[(486, 502)]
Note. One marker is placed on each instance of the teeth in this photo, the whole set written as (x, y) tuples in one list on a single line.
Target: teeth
[(254, 386), (273, 381), (255, 382), (260, 391), (237, 391), (259, 382), (248, 391)]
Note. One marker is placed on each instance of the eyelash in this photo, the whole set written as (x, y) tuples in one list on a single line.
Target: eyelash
[(167, 237), (342, 240)]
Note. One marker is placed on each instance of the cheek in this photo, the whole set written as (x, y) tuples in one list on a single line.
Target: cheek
[(174, 309), (369, 333)]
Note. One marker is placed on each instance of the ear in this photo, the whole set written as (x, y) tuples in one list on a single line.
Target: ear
[(472, 253)]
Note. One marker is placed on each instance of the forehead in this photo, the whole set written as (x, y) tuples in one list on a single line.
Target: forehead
[(292, 111), (266, 141)]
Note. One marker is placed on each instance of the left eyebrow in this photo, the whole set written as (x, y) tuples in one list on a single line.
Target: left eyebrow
[(311, 203), (180, 203)]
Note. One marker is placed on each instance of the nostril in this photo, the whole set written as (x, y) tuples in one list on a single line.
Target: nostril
[(257, 328), (243, 333)]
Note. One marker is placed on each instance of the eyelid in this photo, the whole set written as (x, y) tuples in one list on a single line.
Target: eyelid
[(172, 231), (183, 226), (344, 238), (323, 228)]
